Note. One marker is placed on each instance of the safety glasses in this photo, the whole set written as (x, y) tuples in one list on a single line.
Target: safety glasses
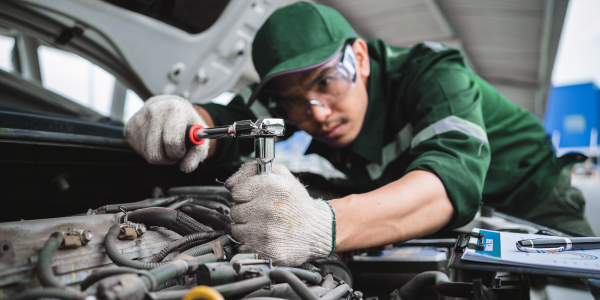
[(330, 85)]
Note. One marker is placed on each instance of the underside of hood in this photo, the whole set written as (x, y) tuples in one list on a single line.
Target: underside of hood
[(195, 49)]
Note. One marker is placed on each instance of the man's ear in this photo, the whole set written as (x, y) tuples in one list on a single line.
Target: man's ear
[(362, 58)]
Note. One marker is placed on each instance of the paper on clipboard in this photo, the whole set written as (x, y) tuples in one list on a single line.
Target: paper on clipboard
[(500, 247)]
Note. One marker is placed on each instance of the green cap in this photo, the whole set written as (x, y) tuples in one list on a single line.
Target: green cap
[(296, 38)]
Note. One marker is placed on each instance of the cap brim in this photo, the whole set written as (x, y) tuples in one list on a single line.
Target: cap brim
[(303, 62)]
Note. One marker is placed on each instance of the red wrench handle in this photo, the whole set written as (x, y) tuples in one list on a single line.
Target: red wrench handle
[(192, 134)]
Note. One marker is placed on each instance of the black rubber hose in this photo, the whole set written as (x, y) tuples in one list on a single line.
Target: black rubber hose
[(52, 293), (442, 285), (154, 216), (218, 206), (170, 271), (110, 245), (149, 280), (152, 202), (300, 288), (162, 274), (242, 287), (227, 290), (455, 289), (181, 203), (310, 277), (100, 274), (208, 216), (202, 236), (44, 272), (207, 248)]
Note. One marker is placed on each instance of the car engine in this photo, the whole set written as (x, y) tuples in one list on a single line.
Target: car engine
[(179, 247), (159, 248)]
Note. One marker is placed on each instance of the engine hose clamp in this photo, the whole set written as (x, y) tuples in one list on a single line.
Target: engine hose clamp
[(217, 247), (124, 210), (233, 241)]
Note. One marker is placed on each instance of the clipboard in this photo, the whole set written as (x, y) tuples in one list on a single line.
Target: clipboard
[(462, 243)]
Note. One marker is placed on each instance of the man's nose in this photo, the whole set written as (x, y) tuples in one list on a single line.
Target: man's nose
[(318, 110)]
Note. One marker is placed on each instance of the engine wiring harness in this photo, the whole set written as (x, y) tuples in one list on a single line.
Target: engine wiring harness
[(202, 264)]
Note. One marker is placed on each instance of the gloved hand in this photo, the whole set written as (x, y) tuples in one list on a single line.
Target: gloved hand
[(158, 132), (276, 218)]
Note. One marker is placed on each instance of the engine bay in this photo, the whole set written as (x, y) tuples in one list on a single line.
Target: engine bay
[(179, 247), (157, 248)]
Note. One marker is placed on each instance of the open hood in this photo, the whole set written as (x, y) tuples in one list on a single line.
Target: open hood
[(150, 51)]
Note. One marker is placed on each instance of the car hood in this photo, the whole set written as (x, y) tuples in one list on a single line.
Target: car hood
[(149, 55)]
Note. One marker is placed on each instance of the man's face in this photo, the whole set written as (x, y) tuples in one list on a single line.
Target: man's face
[(335, 118)]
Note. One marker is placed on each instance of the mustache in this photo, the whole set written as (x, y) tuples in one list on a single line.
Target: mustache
[(334, 122)]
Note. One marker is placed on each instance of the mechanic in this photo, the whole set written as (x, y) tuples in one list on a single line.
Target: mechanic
[(425, 139)]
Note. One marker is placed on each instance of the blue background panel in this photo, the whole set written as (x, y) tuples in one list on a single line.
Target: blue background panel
[(574, 112)]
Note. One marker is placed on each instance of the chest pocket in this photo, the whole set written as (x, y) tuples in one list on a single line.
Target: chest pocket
[(391, 151)]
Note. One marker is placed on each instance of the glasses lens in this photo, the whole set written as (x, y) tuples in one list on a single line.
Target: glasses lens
[(329, 89), (336, 85)]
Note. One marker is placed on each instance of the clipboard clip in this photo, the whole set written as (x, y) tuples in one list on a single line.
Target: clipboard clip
[(540, 250), (465, 241), (478, 244)]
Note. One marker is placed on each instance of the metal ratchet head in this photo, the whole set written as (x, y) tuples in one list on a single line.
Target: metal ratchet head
[(259, 128), (263, 131)]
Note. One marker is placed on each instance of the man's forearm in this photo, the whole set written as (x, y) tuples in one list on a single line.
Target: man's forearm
[(413, 206)]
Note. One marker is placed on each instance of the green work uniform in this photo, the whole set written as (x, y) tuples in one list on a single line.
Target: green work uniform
[(428, 111)]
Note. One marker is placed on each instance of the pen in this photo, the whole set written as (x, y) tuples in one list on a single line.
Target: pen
[(559, 244)]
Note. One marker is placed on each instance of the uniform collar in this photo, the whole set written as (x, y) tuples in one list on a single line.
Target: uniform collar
[(369, 141)]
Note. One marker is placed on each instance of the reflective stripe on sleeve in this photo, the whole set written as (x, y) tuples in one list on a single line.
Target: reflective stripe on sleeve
[(405, 140), (451, 123), (391, 151)]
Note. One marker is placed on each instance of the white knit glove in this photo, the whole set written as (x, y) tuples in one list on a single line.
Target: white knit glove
[(158, 132), (277, 219)]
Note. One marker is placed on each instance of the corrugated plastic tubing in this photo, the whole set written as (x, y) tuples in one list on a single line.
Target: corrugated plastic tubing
[(206, 248), (169, 218), (110, 245), (184, 240), (192, 244), (207, 216)]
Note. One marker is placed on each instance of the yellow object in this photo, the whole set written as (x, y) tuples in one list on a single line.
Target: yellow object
[(203, 292)]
